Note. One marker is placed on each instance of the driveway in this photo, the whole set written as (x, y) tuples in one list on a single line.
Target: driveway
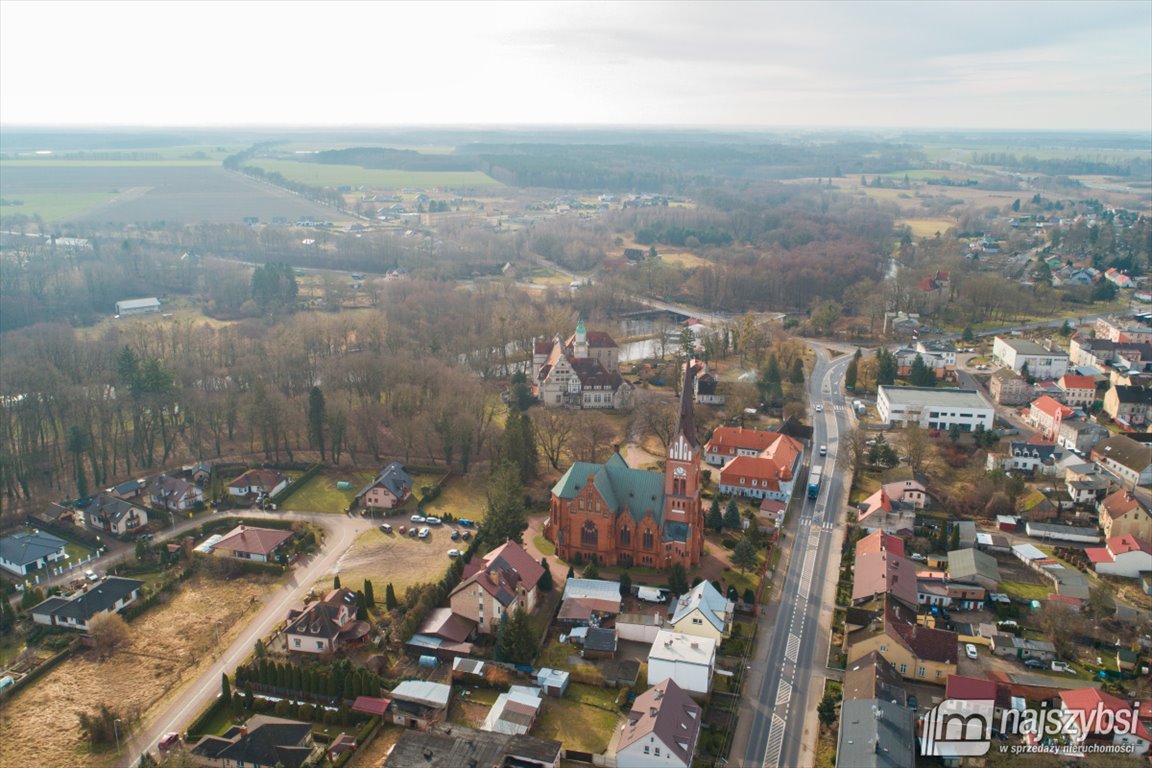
[(182, 705)]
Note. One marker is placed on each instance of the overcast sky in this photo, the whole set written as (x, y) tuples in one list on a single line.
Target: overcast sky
[(989, 64)]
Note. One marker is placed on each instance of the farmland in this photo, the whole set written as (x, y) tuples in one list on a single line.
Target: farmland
[(146, 192), (323, 175)]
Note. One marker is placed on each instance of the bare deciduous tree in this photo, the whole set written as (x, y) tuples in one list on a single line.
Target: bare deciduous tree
[(553, 428), (108, 631)]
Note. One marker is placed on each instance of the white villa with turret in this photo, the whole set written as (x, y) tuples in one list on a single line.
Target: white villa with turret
[(580, 372)]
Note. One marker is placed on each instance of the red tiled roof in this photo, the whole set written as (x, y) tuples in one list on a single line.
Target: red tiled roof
[(502, 572), (1120, 503), (1088, 699), (265, 478), (254, 541), (370, 705), (727, 440), (878, 541), (751, 467), (885, 572), (1098, 554), (924, 642), (1072, 381), (974, 688), (1118, 545), (1052, 407)]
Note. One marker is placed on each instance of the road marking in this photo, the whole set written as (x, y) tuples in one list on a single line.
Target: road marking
[(775, 742), (784, 695), (793, 649)]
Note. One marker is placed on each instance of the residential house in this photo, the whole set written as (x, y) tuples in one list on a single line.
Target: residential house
[(1130, 406), (1084, 483), (662, 730), (587, 601), (1009, 388), (500, 582), (689, 660), (980, 689), (1083, 705), (882, 569), (973, 566), (1046, 413), (580, 372), (1119, 279), (326, 626), (936, 409), (388, 490), (708, 390), (703, 612), (901, 324), (873, 677), (1125, 556), (918, 652), (1124, 514), (258, 482), (1042, 362), (876, 734), (419, 703), (76, 611), (729, 442), (937, 590), (1126, 459), (172, 494), (1080, 433), (1032, 456), (1123, 329), (455, 746), (129, 489), (905, 485), (115, 516), (1077, 391), (880, 512), (1099, 353), (261, 545), (199, 473), (22, 553), (514, 712), (262, 742)]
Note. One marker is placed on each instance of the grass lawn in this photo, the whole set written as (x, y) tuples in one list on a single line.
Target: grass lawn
[(54, 206), (546, 548), (1019, 589), (462, 496), (583, 720), (320, 494), (325, 175)]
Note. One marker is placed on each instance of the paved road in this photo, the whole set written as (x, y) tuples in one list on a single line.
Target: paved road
[(181, 706), (789, 662)]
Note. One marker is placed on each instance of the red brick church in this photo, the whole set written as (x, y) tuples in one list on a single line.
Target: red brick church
[(613, 514)]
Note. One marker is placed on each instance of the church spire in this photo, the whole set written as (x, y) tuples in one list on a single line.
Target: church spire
[(687, 425)]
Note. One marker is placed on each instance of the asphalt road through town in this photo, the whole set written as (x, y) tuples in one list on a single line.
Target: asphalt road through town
[(791, 654)]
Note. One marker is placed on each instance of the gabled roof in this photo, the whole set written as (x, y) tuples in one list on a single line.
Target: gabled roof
[(25, 548), (637, 490), (394, 478), (105, 507), (512, 713), (167, 487), (1073, 381), (1119, 545), (502, 572), (966, 563), (874, 677), (1088, 699), (1133, 395), (1052, 407), (711, 603), (667, 712), (1125, 451), (725, 439), (755, 467), (1121, 503), (263, 740), (253, 541), (322, 619), (442, 622), (267, 479), (924, 642), (881, 571)]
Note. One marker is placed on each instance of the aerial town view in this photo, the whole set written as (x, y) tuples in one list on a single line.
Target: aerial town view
[(575, 384)]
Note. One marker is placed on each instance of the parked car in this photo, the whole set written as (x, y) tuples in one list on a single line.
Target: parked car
[(1062, 666), (433, 521), (424, 532), (418, 518), (386, 527), (970, 651), (413, 531), (454, 553), (918, 557), (455, 536), (169, 741), (466, 536), (465, 522), (91, 575), (1034, 663)]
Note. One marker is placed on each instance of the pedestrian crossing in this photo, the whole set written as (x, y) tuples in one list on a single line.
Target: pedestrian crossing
[(775, 742)]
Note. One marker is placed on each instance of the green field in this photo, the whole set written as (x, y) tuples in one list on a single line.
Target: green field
[(320, 494), (54, 206), (354, 176), (48, 162), (583, 720)]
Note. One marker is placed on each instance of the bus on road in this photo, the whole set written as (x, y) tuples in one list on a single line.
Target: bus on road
[(814, 478)]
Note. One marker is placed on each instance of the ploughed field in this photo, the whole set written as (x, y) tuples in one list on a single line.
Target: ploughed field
[(140, 193)]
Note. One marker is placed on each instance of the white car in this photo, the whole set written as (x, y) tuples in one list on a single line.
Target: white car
[(454, 553), (823, 450), (917, 557), (417, 518), (970, 651), (433, 520), (819, 408), (424, 533), (91, 575)]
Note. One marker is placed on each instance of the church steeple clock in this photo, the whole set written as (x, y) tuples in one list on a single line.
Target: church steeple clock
[(682, 481)]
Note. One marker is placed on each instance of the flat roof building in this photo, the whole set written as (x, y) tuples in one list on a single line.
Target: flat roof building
[(935, 408)]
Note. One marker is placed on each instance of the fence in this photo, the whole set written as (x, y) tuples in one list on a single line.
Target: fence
[(51, 572)]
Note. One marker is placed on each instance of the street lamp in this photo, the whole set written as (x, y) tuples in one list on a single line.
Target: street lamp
[(116, 730)]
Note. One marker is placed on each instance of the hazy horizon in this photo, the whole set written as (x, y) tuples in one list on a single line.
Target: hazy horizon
[(679, 66)]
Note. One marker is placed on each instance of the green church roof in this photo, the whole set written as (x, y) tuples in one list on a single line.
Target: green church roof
[(619, 485)]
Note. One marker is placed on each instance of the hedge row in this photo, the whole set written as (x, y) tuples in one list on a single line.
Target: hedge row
[(32, 676), (294, 486), (196, 729)]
